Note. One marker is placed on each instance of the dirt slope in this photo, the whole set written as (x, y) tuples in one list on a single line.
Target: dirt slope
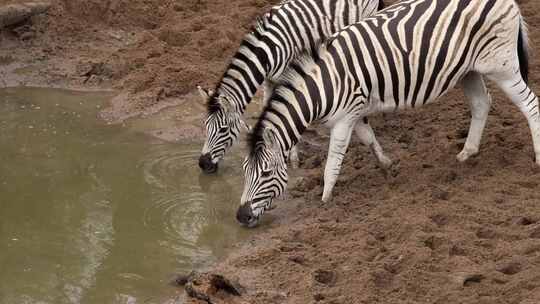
[(438, 232), (152, 51)]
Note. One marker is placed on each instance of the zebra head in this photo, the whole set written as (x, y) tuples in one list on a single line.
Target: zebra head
[(223, 125), (265, 177)]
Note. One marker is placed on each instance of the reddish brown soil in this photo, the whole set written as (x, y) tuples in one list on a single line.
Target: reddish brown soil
[(437, 232), (153, 51)]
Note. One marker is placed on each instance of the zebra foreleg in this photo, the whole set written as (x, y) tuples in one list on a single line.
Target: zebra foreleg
[(367, 137), (479, 102), (294, 160), (339, 141), (525, 99)]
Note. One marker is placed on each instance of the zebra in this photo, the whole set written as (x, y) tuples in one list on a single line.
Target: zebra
[(278, 36), (406, 56)]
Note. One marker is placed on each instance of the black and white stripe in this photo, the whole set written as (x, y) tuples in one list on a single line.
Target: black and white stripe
[(278, 37), (406, 56)]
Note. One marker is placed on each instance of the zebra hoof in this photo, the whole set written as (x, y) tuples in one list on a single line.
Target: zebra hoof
[(327, 198), (465, 154), (392, 170), (385, 162)]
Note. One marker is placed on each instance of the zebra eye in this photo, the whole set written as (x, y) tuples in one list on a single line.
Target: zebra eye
[(223, 129), (266, 173)]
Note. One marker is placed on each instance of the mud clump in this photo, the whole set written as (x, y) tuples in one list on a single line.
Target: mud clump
[(151, 51), (325, 277), (510, 268), (11, 14), (209, 286)]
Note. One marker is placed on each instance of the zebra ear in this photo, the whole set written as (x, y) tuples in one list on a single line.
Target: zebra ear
[(270, 139), (205, 94)]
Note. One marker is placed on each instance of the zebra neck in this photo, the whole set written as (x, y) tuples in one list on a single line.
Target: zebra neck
[(249, 68), (312, 91), (288, 121)]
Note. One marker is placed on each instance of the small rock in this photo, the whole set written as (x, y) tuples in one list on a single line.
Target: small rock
[(486, 233), (405, 138), (180, 280), (524, 221), (440, 194), (206, 285), (299, 259), (500, 281), (230, 286), (509, 268), (456, 250), (451, 176), (465, 278), (325, 277), (312, 162), (439, 219)]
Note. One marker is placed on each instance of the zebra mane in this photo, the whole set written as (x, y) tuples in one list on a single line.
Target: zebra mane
[(259, 28), (262, 22), (300, 64), (212, 106), (285, 83), (255, 136)]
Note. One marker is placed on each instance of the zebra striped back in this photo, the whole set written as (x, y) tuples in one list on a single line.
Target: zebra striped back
[(276, 39), (406, 56)]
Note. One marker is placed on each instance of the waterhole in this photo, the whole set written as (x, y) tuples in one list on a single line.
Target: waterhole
[(96, 213)]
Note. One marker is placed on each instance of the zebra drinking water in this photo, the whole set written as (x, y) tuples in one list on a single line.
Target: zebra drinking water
[(406, 56), (278, 37)]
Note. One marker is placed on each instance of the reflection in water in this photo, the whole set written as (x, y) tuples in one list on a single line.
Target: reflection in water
[(99, 214)]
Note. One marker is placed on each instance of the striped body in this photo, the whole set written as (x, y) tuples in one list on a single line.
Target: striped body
[(406, 56), (278, 37)]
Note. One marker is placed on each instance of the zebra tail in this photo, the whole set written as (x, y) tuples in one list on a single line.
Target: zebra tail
[(381, 5), (523, 51)]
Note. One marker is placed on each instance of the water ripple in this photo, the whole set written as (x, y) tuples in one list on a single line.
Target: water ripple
[(162, 167), (187, 207)]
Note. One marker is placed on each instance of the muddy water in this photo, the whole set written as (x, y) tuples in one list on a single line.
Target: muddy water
[(91, 213)]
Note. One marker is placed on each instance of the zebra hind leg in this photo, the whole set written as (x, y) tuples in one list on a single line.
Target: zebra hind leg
[(367, 137), (479, 102), (515, 87), (339, 142)]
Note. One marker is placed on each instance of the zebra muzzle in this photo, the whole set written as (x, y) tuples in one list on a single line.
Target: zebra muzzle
[(206, 164), (245, 216)]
